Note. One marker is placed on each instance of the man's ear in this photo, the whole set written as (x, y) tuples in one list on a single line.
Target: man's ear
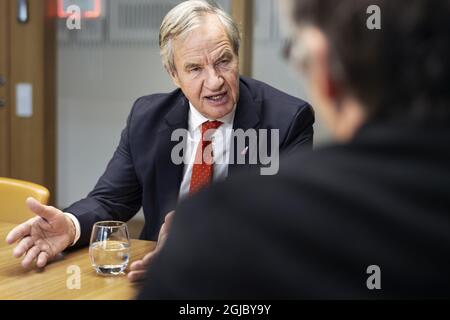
[(341, 112), (174, 76), (315, 60), (326, 82)]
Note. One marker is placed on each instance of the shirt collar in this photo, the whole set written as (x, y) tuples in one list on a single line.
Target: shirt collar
[(196, 119)]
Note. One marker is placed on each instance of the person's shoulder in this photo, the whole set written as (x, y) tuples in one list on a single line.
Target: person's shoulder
[(320, 167), (273, 98), (302, 176), (307, 166), (153, 103)]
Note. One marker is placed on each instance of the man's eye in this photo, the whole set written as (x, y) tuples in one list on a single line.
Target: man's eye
[(196, 69), (224, 61)]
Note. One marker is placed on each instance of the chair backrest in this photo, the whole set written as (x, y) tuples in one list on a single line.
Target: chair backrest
[(13, 194)]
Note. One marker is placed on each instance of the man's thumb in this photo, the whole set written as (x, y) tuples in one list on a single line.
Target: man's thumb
[(44, 212)]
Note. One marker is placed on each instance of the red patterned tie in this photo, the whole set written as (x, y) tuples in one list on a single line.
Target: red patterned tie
[(202, 171)]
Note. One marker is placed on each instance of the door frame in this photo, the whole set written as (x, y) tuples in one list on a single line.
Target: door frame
[(4, 90)]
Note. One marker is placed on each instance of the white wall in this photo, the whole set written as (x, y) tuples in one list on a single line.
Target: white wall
[(96, 90)]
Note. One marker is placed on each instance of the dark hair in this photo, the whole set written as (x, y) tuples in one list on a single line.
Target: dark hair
[(402, 70)]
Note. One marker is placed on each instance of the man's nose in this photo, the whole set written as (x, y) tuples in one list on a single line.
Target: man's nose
[(214, 81)]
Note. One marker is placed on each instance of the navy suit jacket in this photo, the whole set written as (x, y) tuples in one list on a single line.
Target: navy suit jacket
[(141, 172)]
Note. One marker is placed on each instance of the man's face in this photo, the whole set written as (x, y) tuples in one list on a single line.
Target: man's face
[(308, 53), (342, 113), (207, 69)]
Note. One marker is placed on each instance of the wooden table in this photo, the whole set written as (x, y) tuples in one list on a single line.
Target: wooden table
[(50, 283)]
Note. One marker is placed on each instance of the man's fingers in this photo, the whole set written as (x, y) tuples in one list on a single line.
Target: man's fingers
[(18, 232), (169, 217), (149, 258), (137, 265), (23, 246), (134, 276), (30, 256), (24, 229), (45, 212), (163, 232), (42, 259), (139, 268), (144, 263)]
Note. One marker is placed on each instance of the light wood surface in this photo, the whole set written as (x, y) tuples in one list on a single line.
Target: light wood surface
[(50, 283)]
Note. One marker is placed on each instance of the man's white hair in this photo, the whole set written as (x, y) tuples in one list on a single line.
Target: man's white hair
[(187, 16)]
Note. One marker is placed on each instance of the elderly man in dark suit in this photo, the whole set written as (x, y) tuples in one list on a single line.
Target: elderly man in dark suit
[(199, 47), (366, 218)]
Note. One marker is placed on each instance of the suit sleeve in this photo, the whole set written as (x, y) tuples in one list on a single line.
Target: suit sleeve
[(117, 194), (301, 132)]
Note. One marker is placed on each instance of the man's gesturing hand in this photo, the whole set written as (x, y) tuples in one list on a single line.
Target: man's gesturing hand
[(43, 237), (139, 268)]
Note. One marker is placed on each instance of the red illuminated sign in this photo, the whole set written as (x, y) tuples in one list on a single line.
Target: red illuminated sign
[(90, 9)]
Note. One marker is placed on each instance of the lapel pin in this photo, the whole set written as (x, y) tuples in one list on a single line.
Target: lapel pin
[(244, 152)]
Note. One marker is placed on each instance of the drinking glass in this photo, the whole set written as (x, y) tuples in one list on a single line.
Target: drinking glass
[(109, 248)]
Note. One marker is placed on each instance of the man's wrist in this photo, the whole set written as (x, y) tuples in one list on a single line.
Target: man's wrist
[(75, 227)]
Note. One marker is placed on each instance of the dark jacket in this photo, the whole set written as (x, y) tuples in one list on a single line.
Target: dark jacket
[(141, 172), (314, 230)]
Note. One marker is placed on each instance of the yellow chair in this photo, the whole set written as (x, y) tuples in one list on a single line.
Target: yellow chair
[(13, 194)]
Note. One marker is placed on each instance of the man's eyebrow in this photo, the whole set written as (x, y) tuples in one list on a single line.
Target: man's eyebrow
[(225, 54), (191, 65)]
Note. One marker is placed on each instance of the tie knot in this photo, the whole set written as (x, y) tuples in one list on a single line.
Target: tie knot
[(208, 125)]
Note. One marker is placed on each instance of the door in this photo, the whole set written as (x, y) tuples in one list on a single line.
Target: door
[(27, 115), (4, 89)]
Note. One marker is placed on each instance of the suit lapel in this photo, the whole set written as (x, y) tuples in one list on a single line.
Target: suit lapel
[(169, 174), (247, 117)]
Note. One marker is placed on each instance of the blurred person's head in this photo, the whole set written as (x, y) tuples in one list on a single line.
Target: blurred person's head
[(199, 45), (400, 72)]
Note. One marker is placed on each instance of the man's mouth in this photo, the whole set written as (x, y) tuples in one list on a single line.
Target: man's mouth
[(217, 99)]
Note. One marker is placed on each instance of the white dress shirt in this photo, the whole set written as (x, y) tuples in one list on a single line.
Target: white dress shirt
[(220, 141)]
